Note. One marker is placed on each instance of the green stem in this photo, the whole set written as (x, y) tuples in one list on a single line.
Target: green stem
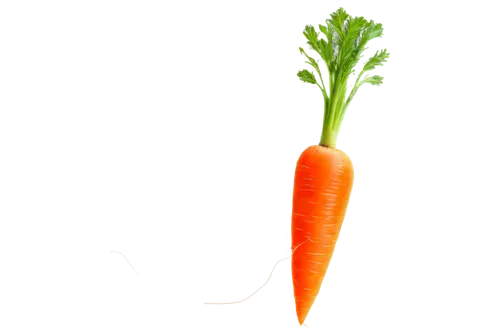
[(327, 138), (334, 107)]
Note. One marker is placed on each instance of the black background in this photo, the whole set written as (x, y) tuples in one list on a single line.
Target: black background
[(188, 121)]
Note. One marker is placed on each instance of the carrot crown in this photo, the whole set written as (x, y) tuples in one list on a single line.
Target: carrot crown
[(346, 38)]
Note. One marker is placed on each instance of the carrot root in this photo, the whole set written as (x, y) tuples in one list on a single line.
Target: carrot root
[(322, 186), (118, 252), (275, 266)]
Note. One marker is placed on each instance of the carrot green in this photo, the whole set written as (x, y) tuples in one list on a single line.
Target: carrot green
[(346, 39)]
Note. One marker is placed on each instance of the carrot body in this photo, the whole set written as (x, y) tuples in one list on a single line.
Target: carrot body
[(322, 186)]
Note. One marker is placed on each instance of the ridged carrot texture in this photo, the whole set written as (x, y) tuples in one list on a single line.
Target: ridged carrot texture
[(324, 174), (323, 184)]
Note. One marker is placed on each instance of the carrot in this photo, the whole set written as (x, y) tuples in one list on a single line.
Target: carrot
[(324, 176), (323, 182)]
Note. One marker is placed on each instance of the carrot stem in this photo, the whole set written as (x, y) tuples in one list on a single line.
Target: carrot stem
[(346, 38), (331, 119)]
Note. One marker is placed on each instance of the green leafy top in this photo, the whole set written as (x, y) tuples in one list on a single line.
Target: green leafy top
[(346, 39)]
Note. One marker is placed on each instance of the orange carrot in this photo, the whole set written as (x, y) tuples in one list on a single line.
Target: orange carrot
[(324, 176), (322, 188)]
